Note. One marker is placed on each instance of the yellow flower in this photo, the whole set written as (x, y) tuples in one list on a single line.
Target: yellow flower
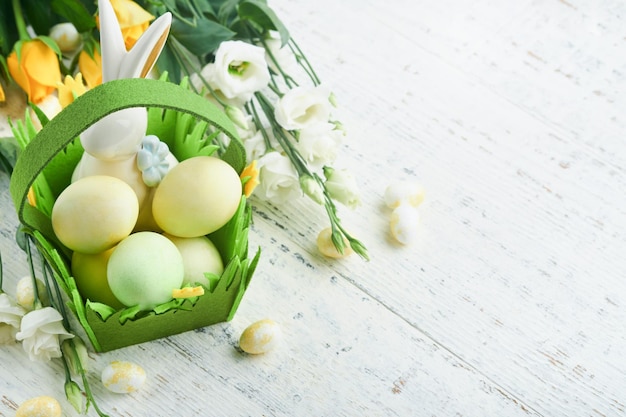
[(2, 96), (70, 88), (251, 173), (133, 20), (90, 68), (37, 72)]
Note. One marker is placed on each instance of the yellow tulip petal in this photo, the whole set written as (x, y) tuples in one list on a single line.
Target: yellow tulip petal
[(130, 13), (41, 64), (2, 96), (90, 68), (18, 75), (38, 71)]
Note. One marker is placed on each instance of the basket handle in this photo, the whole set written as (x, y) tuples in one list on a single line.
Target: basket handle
[(87, 110)]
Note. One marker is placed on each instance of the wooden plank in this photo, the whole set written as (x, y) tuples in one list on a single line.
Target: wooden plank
[(518, 268)]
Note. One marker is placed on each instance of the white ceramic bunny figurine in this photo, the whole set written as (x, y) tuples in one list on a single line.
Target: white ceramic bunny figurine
[(111, 144)]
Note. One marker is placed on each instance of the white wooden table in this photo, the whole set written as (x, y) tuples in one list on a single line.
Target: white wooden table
[(512, 302)]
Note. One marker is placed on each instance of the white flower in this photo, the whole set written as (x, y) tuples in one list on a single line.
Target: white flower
[(255, 146), (283, 55), (303, 107), (42, 332), (319, 146), (278, 178), (342, 186), (240, 69), (10, 317)]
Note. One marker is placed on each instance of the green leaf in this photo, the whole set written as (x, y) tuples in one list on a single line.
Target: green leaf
[(75, 12), (8, 29), (167, 62), (201, 39), (261, 14), (39, 15)]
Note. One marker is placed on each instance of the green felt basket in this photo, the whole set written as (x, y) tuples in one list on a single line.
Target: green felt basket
[(180, 118)]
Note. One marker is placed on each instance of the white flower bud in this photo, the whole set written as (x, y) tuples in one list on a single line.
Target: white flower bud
[(404, 223), (312, 189), (25, 292), (404, 192), (236, 116), (342, 186), (66, 36)]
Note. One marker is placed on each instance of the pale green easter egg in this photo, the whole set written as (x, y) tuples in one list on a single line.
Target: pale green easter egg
[(94, 213), (196, 197), (90, 274), (144, 269), (200, 256)]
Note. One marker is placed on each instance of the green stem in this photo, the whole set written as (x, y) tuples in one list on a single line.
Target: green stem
[(251, 108), (338, 232), (307, 67), (36, 301), (81, 370), (19, 20)]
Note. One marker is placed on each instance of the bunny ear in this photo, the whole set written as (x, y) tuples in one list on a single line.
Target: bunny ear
[(141, 58), (111, 41)]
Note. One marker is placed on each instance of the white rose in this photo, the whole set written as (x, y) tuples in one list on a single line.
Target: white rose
[(342, 186), (10, 318), (256, 145), (303, 107), (319, 146), (278, 56), (240, 69), (278, 178), (42, 332)]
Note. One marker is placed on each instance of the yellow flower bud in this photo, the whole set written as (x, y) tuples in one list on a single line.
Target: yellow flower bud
[(37, 72)]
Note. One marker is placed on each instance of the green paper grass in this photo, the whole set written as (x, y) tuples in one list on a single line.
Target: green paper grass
[(187, 121)]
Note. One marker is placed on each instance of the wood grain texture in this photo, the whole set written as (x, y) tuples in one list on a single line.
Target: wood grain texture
[(512, 301)]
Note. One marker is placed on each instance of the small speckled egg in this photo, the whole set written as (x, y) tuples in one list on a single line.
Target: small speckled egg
[(197, 197), (404, 223), (404, 192), (260, 337), (327, 248), (123, 377), (94, 213), (43, 406)]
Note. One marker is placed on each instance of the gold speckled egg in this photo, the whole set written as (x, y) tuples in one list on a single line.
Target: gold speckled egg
[(43, 406), (260, 337), (123, 377)]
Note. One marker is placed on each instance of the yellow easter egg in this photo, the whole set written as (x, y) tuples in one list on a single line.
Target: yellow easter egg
[(196, 197), (44, 406), (200, 256), (94, 213), (90, 273)]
